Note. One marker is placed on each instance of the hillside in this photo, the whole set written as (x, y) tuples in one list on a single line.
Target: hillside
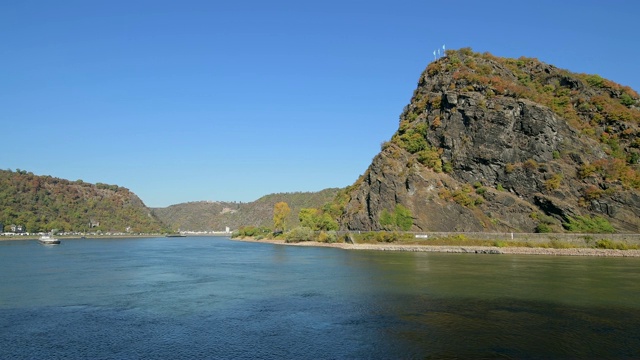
[(215, 216), (498, 144), (43, 203)]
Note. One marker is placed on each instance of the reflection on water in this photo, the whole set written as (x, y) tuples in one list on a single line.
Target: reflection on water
[(215, 298)]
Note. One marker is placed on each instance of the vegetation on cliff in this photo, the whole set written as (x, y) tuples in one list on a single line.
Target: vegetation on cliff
[(43, 203), (499, 144), (599, 108)]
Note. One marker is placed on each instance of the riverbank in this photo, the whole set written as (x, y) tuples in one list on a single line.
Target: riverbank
[(461, 249), (78, 237)]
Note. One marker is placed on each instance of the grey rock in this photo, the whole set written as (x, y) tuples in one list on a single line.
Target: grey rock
[(496, 141)]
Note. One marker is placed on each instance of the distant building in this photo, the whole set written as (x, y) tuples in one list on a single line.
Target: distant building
[(17, 229), (93, 223)]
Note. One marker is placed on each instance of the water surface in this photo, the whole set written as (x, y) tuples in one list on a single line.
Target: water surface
[(207, 297)]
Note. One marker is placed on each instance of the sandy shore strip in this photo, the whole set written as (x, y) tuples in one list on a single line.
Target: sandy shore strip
[(414, 248), (461, 249)]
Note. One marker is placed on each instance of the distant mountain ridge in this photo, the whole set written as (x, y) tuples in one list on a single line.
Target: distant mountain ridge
[(42, 203), (216, 216), (498, 144), (37, 203)]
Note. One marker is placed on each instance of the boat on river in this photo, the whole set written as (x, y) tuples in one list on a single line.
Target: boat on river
[(176, 235), (48, 240)]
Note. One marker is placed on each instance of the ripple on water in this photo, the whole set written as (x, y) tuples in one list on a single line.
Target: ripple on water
[(291, 303)]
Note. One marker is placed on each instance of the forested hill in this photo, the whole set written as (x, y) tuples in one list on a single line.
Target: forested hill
[(43, 203), (215, 216)]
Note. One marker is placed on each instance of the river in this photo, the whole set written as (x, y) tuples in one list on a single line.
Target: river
[(210, 297)]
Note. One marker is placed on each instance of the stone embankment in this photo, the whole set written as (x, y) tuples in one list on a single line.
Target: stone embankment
[(465, 249), (500, 250)]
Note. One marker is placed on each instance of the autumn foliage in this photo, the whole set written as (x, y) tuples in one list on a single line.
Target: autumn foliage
[(43, 203)]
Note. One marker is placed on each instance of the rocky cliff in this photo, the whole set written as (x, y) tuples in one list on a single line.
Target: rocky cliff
[(496, 144)]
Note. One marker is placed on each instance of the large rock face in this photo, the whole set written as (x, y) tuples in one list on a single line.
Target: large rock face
[(491, 144)]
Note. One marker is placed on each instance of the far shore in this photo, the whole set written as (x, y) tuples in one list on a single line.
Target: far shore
[(105, 236), (78, 237), (459, 249)]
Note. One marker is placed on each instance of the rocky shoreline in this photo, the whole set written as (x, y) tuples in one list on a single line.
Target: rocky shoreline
[(462, 249)]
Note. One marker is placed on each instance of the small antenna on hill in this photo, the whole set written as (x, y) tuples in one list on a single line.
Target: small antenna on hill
[(443, 52), (438, 53), (434, 55)]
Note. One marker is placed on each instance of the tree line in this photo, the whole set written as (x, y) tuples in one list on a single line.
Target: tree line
[(42, 203)]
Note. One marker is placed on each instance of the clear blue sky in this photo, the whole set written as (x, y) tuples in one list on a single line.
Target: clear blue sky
[(210, 100)]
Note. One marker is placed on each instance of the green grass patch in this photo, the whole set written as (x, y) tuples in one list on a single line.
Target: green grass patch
[(586, 224), (614, 245)]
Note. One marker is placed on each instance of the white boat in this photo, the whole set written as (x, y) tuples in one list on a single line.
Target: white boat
[(48, 240)]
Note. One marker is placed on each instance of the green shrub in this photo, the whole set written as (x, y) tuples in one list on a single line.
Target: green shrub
[(404, 218), (467, 51), (299, 234), (387, 237), (613, 245), (327, 222), (385, 145), (588, 224), (461, 238), (557, 244), (626, 100), (387, 220), (381, 236), (328, 236), (401, 218), (466, 197), (317, 219), (431, 159), (543, 228), (250, 231), (435, 102), (595, 80), (412, 141), (604, 244), (553, 183)]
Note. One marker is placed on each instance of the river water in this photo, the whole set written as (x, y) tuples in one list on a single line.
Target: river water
[(210, 297)]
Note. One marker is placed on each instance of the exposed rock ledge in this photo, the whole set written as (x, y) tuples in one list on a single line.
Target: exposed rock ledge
[(464, 249)]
